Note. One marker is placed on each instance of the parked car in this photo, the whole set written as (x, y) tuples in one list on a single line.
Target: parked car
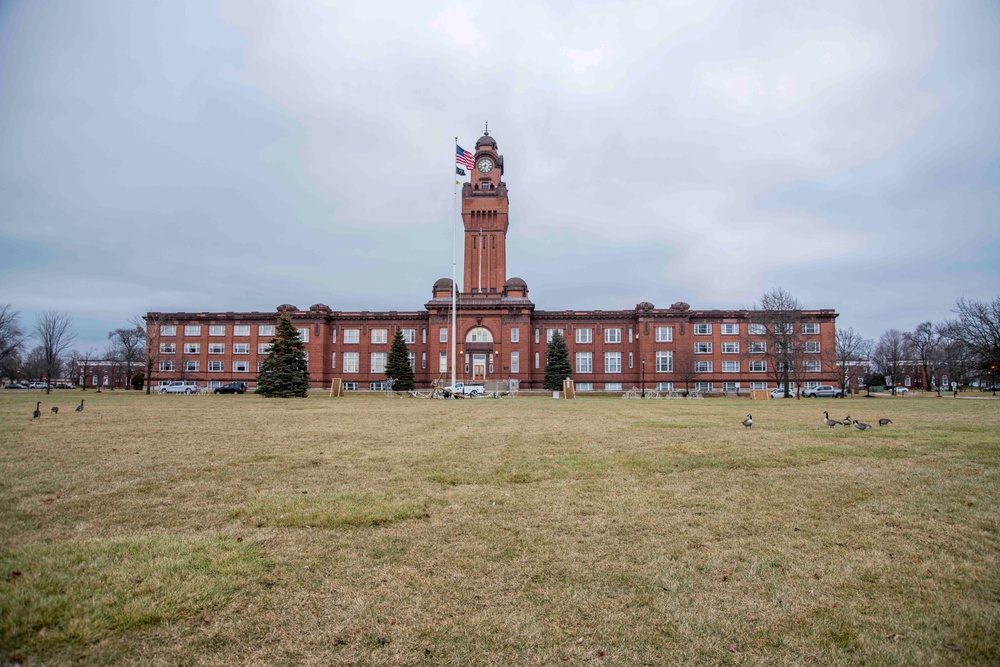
[(37, 385), (231, 388), (472, 390), (180, 387), (902, 390), (64, 385), (780, 392), (17, 385), (823, 391)]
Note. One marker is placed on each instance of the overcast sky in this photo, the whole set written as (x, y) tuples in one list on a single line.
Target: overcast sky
[(189, 155)]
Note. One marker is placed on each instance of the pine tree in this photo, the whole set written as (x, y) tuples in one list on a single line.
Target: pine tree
[(284, 374), (398, 365), (557, 366)]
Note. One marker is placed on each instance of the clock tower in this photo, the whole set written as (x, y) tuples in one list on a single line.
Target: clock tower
[(484, 217)]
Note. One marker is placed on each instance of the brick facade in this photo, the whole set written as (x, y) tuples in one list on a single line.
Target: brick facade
[(500, 335)]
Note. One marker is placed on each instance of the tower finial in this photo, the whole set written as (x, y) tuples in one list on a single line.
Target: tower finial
[(487, 130)]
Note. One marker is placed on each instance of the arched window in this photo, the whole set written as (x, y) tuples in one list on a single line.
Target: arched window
[(479, 335), (906, 381)]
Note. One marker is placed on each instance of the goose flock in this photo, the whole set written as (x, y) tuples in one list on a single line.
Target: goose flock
[(37, 414), (846, 421)]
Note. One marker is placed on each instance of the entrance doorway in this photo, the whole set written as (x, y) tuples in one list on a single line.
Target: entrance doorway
[(478, 366)]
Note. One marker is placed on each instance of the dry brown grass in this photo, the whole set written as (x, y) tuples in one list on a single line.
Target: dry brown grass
[(369, 531)]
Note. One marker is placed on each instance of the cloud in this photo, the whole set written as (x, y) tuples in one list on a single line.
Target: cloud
[(584, 60), (456, 23)]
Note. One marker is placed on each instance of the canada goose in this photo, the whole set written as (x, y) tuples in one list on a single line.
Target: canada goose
[(829, 422), (38, 411), (748, 422), (79, 408), (861, 426), (884, 421), (847, 421), (55, 409)]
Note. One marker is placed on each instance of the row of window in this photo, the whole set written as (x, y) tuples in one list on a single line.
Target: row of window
[(214, 348), (193, 330), (756, 347)]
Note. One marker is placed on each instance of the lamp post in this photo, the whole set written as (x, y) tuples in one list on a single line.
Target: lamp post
[(993, 379), (643, 381)]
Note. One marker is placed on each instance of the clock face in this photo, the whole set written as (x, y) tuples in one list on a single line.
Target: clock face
[(485, 165)]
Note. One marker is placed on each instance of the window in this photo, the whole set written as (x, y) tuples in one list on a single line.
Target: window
[(443, 363), (758, 348), (730, 348), (333, 360), (536, 336), (378, 362), (515, 335), (192, 330), (730, 367), (664, 334), (584, 335), (191, 366), (443, 335), (409, 336), (812, 384), (241, 329), (785, 328), (664, 386), (758, 386), (612, 362), (479, 335), (379, 336), (333, 332), (549, 333), (241, 348), (758, 366), (423, 336), (703, 386), (265, 330), (584, 362), (263, 348), (168, 330), (755, 329), (730, 329), (351, 362), (214, 384), (350, 386), (168, 348), (411, 358), (810, 328), (812, 366), (217, 330), (702, 329), (166, 366), (537, 360), (192, 348), (352, 336), (241, 366), (304, 334), (515, 362), (216, 348), (703, 367), (630, 360), (811, 347), (612, 386), (215, 366), (612, 335), (585, 386), (378, 386), (703, 348), (730, 387), (664, 361)]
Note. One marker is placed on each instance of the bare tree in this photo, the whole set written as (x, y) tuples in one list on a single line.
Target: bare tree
[(889, 354), (923, 344), (978, 327), (12, 367), (129, 345), (776, 320), (685, 367), (955, 360), (150, 326), (52, 329), (852, 351), (11, 335)]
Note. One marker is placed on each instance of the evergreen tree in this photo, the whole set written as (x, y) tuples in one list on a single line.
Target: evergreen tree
[(557, 366), (284, 374), (398, 365)]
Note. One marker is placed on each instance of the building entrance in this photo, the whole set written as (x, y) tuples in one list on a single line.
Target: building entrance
[(478, 366)]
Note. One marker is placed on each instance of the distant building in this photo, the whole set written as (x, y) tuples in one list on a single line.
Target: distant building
[(500, 333), (107, 373)]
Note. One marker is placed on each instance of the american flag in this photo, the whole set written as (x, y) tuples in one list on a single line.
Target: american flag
[(464, 157)]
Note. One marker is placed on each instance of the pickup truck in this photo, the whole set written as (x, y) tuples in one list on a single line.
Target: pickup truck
[(824, 390), (472, 390), (180, 387)]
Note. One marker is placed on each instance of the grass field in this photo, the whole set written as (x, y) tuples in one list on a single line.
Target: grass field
[(226, 530)]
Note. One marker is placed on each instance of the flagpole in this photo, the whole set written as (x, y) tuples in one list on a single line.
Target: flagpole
[(454, 264)]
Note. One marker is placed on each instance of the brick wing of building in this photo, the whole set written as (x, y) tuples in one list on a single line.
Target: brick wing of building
[(500, 335)]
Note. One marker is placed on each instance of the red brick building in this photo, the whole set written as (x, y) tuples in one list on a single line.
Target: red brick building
[(500, 335)]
